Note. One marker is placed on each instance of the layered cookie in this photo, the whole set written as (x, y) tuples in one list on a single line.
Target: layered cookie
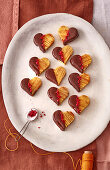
[(62, 54), (63, 119), (31, 86), (43, 41), (79, 103), (39, 65), (58, 95), (79, 81), (55, 75), (67, 34), (81, 62)]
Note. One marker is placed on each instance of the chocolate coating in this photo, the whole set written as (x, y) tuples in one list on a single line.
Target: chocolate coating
[(57, 119), (33, 65), (50, 75), (38, 41), (76, 62), (73, 102), (55, 53), (73, 34), (24, 86), (52, 93), (74, 81)]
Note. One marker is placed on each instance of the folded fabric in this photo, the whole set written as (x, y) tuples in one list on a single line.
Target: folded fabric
[(9, 12)]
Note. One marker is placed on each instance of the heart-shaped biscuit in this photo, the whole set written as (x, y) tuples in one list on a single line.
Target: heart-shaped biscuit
[(63, 119), (63, 54), (31, 85), (79, 81), (58, 95), (81, 62), (55, 75), (39, 65), (67, 34), (43, 41), (79, 103)]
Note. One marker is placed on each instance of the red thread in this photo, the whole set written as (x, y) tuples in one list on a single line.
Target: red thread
[(30, 89), (61, 55)]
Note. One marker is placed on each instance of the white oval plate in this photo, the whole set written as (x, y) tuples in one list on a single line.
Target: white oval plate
[(87, 126)]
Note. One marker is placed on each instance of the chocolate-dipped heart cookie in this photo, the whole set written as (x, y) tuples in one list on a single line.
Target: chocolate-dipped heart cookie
[(79, 103), (81, 62), (79, 81), (58, 95), (39, 65), (31, 85), (62, 54), (55, 75), (67, 34), (63, 119), (43, 41)]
